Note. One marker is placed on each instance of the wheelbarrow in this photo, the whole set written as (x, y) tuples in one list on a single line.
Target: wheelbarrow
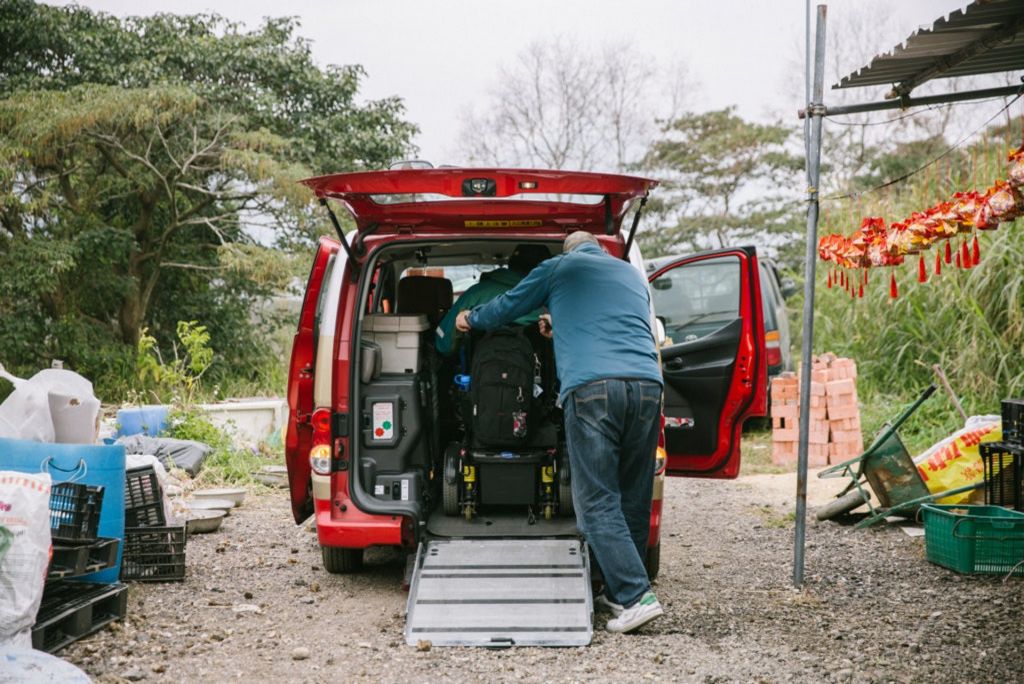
[(887, 469)]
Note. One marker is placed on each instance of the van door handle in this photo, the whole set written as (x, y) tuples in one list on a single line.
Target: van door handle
[(674, 364)]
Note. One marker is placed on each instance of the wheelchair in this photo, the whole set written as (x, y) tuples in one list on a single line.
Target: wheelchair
[(533, 472)]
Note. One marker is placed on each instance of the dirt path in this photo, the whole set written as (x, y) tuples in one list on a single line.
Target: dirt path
[(873, 609)]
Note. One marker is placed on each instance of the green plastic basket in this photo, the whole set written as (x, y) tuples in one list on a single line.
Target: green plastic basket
[(974, 539)]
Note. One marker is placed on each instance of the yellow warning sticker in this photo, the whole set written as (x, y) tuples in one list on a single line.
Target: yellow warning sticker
[(505, 223)]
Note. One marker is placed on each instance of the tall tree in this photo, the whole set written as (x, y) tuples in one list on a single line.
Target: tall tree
[(132, 154), (563, 107), (266, 75), (724, 181)]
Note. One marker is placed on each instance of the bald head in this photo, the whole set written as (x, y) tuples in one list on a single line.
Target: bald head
[(580, 237)]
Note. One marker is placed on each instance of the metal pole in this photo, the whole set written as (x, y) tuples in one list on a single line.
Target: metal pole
[(963, 96), (810, 261)]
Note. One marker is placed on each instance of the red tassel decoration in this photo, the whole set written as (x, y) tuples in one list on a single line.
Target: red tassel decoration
[(893, 291), (958, 264), (865, 276), (830, 280), (965, 256), (861, 292), (949, 253), (922, 271), (975, 252), (938, 264)]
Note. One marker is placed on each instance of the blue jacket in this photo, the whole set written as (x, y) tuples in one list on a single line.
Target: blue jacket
[(600, 311)]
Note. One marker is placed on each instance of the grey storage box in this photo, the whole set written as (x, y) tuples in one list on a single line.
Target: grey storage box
[(399, 337)]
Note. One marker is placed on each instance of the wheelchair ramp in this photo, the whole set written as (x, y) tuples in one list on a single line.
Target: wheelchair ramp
[(500, 592)]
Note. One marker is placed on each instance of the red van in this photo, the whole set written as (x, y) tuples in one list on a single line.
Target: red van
[(377, 446)]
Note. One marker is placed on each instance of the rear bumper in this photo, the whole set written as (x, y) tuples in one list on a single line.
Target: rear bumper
[(341, 524)]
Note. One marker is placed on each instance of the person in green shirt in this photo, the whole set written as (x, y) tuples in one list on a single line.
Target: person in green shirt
[(492, 283)]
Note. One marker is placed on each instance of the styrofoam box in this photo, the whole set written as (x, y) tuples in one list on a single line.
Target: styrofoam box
[(399, 337)]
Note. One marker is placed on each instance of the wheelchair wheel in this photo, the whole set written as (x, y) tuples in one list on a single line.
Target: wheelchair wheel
[(450, 481), (565, 508)]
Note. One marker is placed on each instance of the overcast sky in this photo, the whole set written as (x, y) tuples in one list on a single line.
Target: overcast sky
[(441, 56)]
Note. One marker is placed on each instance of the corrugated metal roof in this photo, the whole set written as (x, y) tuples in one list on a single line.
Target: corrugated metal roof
[(985, 37)]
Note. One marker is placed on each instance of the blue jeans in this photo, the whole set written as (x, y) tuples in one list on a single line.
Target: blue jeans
[(611, 431)]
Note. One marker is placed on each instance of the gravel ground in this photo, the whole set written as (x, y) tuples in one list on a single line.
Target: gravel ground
[(258, 606)]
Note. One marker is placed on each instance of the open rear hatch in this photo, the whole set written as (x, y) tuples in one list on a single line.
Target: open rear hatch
[(458, 199)]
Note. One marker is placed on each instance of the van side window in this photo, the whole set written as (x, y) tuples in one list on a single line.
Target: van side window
[(321, 299), (698, 298)]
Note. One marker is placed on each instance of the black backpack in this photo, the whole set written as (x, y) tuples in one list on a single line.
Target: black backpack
[(502, 388)]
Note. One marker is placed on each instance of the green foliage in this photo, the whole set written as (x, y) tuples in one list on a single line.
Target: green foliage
[(266, 76), (721, 175), (225, 463), (178, 380), (132, 153), (969, 321)]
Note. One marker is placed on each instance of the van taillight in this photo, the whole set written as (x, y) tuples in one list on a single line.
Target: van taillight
[(320, 453), (773, 348), (321, 421)]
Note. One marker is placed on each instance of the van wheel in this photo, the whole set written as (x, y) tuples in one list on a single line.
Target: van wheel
[(653, 561), (342, 561)]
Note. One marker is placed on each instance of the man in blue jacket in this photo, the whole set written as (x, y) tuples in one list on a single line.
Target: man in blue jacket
[(492, 283), (611, 395)]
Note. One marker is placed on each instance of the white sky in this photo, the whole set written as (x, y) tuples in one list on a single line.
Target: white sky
[(440, 56)]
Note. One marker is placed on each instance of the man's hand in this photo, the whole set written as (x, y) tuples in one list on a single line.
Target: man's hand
[(462, 321), (544, 323)]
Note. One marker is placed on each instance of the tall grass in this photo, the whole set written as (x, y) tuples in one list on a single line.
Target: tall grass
[(969, 321)]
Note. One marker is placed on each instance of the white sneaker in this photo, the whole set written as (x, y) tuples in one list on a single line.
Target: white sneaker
[(637, 615), (603, 604)]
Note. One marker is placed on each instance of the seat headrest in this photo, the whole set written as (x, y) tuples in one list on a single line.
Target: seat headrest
[(424, 295)]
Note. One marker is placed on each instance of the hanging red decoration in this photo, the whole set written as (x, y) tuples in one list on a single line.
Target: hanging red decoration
[(878, 242)]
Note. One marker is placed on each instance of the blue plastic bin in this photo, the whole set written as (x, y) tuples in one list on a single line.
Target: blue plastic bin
[(84, 464), (144, 420)]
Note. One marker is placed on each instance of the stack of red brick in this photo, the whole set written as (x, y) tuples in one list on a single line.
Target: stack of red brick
[(834, 435)]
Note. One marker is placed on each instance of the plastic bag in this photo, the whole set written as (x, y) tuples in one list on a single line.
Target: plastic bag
[(54, 405), (25, 514), (956, 462)]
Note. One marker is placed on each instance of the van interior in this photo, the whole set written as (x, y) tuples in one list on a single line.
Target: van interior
[(419, 413)]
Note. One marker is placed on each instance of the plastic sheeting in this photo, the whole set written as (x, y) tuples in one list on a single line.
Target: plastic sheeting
[(177, 453)]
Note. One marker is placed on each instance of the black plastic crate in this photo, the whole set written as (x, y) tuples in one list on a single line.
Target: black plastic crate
[(72, 610), (1013, 421), (1004, 467), (143, 499), (75, 512), (154, 554), (74, 560)]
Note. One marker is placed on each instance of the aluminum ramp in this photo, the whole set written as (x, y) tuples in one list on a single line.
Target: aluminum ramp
[(501, 592)]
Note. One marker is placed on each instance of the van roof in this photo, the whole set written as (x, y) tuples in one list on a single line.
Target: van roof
[(461, 199)]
